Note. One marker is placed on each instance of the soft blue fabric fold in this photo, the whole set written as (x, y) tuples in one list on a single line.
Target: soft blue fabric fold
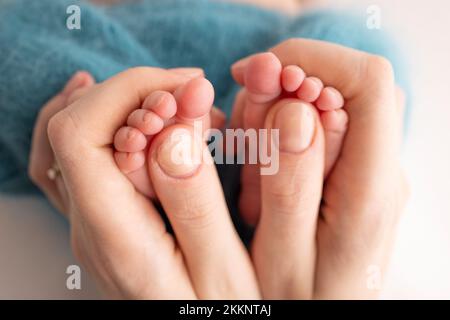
[(38, 54)]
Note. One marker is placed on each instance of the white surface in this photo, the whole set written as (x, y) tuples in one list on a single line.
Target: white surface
[(35, 252), (420, 266), (34, 241)]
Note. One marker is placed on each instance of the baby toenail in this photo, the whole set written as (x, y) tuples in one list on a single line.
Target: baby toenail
[(180, 154), (131, 134), (297, 127), (148, 117), (316, 80), (157, 99)]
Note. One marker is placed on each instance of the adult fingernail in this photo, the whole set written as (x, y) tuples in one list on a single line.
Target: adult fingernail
[(297, 127), (179, 155), (240, 64), (78, 80), (189, 72)]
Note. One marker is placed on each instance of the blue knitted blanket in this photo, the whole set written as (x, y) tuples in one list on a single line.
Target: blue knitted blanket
[(38, 53)]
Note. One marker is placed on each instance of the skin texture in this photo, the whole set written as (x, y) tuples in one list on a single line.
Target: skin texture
[(265, 83), (362, 199), (302, 248), (190, 103), (175, 273)]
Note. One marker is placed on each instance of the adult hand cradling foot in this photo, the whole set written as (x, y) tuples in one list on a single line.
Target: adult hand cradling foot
[(117, 233), (335, 236), (301, 249)]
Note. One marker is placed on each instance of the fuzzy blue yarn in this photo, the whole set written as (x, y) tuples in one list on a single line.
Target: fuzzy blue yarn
[(38, 54)]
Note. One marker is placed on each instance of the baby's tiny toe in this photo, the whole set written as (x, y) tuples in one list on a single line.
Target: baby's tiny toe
[(194, 99), (262, 77), (335, 120), (330, 99), (148, 122), (129, 139), (334, 123), (129, 162), (162, 103), (292, 78), (310, 89)]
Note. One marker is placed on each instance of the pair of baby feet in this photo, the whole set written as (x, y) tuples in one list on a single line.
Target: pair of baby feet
[(265, 82)]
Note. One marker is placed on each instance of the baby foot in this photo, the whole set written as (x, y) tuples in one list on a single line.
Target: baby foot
[(189, 103), (265, 82)]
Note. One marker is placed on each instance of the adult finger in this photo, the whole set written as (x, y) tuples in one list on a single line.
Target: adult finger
[(189, 72), (41, 154), (291, 191), (363, 196), (367, 84), (104, 203), (116, 97), (93, 119), (186, 182)]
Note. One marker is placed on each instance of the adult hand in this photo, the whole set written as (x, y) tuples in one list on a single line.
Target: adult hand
[(335, 243), (117, 234)]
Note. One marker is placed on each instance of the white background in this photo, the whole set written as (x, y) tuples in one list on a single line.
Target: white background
[(34, 240), (420, 266)]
